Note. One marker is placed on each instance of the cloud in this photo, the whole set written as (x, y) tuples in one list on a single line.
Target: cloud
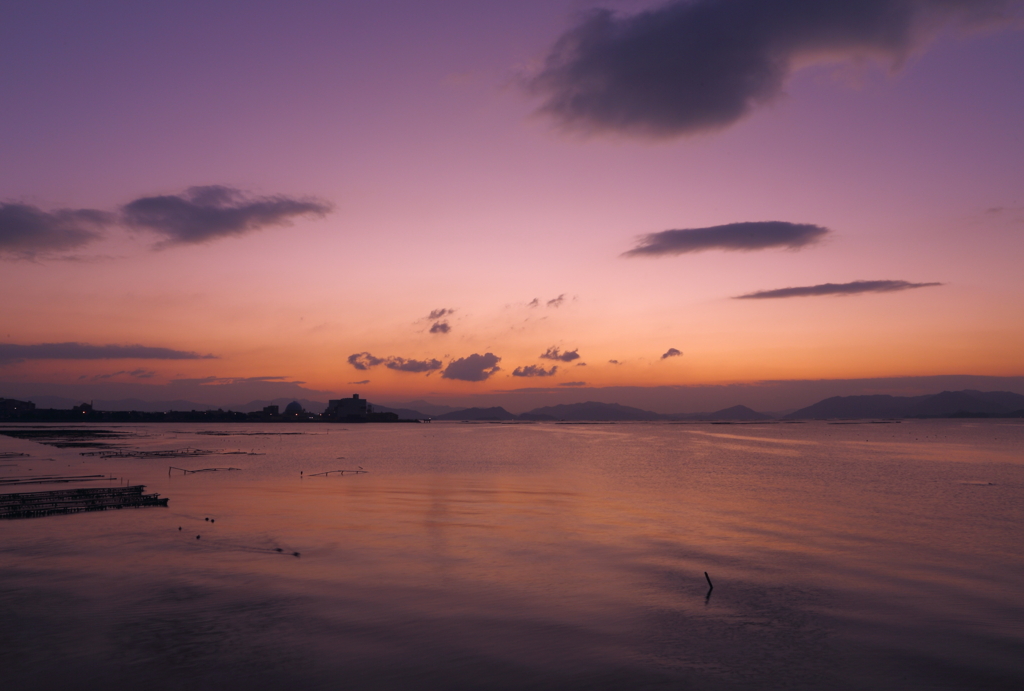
[(440, 328), (534, 371), (852, 288), (671, 352), (473, 368), (404, 365), (753, 235), (438, 313), (364, 381), (364, 361), (205, 213), (27, 231), (12, 352), (557, 302), (534, 303), (573, 383), (700, 65), (554, 353), (226, 381), (614, 362), (137, 373)]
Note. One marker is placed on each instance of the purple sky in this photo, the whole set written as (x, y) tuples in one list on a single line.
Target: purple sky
[(361, 165)]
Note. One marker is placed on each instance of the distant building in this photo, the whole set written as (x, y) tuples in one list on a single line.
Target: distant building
[(347, 407), (10, 405), (273, 410), (84, 408)]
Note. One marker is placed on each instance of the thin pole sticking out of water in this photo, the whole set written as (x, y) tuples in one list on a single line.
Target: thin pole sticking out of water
[(710, 584)]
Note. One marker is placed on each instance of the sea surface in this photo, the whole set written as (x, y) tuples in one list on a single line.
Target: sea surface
[(526, 556)]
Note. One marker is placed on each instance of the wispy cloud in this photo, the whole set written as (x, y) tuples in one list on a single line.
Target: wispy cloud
[(27, 232), (671, 352), (201, 214), (475, 367), (440, 328), (363, 381), (557, 302), (573, 383), (554, 353), (137, 373), (534, 371), (746, 237), (700, 65), (852, 288), (227, 381), (439, 313), (534, 303), (12, 352)]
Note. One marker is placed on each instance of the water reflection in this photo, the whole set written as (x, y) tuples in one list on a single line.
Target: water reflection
[(538, 556)]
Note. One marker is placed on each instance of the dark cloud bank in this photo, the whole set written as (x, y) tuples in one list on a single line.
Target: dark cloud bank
[(475, 367), (201, 214), (11, 352), (700, 65), (197, 215), (749, 236), (137, 373), (852, 288), (27, 231)]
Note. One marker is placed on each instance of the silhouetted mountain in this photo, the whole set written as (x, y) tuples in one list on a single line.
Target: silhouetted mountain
[(402, 413), (945, 404), (591, 410), (425, 407), (497, 413), (951, 402), (1010, 401), (737, 412)]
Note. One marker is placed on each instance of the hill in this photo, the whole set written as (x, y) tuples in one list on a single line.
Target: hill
[(591, 410), (402, 413), (945, 404), (739, 413), (424, 408), (497, 413)]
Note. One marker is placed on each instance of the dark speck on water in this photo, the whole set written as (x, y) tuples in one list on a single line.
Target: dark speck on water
[(539, 557)]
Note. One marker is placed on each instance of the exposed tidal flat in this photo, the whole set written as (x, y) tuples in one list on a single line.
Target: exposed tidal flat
[(511, 556)]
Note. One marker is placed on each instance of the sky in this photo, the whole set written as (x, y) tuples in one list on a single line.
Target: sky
[(459, 201)]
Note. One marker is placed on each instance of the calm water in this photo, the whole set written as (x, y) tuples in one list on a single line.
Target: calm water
[(545, 556)]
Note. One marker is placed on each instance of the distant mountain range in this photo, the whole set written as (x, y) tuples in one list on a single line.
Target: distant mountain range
[(946, 404), (593, 411), (967, 403)]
